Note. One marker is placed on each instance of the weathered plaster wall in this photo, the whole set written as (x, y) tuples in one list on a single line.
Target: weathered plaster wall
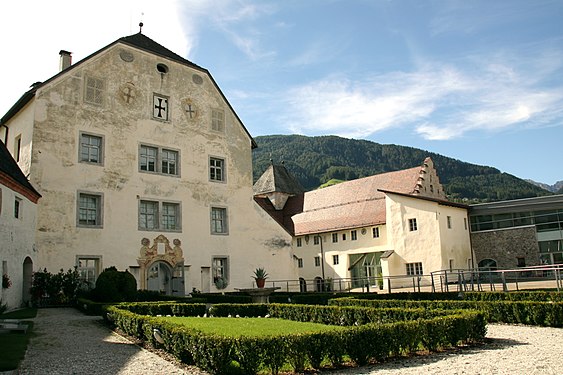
[(61, 114), (17, 242), (506, 245)]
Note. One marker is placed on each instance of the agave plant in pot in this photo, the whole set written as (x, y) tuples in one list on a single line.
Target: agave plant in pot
[(260, 276)]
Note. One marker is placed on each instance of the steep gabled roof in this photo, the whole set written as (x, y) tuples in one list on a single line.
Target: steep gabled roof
[(12, 176), (139, 41)]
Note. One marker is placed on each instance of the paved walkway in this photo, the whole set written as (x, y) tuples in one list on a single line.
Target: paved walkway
[(69, 342)]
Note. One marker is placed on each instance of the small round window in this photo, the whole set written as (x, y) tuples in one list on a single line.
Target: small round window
[(162, 68)]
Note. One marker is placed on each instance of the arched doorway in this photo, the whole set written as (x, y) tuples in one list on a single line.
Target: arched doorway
[(487, 265), (159, 277), (27, 279), (318, 284), (302, 285)]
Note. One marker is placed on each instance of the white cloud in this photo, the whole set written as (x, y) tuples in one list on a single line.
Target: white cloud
[(438, 102)]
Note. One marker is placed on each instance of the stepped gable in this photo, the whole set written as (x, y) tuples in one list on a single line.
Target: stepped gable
[(361, 202)]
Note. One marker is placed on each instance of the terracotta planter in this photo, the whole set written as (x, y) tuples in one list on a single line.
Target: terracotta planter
[(260, 283)]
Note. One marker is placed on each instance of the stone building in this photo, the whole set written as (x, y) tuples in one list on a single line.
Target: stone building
[(518, 233), (18, 200), (144, 165), (384, 226)]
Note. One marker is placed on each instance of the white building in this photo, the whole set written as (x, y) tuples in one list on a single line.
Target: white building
[(144, 165), (18, 209), (380, 227)]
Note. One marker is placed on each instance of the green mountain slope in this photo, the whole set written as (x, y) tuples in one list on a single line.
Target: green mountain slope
[(316, 160)]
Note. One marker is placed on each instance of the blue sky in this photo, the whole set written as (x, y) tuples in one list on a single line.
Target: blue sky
[(479, 81)]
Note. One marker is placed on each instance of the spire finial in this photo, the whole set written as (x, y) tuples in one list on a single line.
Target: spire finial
[(141, 27)]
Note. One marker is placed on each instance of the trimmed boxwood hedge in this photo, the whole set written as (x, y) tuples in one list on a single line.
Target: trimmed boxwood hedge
[(548, 314), (361, 342)]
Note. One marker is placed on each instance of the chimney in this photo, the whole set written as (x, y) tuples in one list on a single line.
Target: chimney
[(66, 60)]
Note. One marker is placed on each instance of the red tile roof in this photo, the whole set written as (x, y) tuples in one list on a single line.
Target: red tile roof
[(352, 204)]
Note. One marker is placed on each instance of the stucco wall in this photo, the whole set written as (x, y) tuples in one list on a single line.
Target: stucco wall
[(506, 245), (17, 240), (60, 114), (432, 244)]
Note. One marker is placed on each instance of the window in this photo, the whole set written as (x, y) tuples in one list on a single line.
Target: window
[(317, 261), (375, 232), (335, 237), (218, 120), (160, 107), (219, 220), (449, 220), (91, 148), (354, 235), (299, 242), (93, 93), (216, 169), (90, 210), (343, 236), (465, 223), (412, 225), (17, 208), (451, 264), (17, 147), (414, 268), (316, 240), (521, 261), (220, 269), (300, 262), (335, 259), (155, 215), (158, 160), (88, 268)]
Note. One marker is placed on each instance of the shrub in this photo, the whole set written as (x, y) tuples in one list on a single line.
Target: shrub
[(49, 289), (115, 286)]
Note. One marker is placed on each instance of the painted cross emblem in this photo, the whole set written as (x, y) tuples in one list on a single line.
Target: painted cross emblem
[(190, 111), (160, 109), (128, 94)]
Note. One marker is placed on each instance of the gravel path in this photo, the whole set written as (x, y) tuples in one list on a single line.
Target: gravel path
[(68, 342)]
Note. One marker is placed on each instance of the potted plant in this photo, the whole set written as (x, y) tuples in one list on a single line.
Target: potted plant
[(260, 276)]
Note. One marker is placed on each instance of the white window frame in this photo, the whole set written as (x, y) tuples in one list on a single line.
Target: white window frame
[(159, 160), (17, 148), (99, 209), (82, 146), (414, 269), (354, 235), (413, 225), (300, 262), (316, 240), (317, 261), (335, 237), (335, 260), (299, 241), (217, 169), (223, 220), (159, 215)]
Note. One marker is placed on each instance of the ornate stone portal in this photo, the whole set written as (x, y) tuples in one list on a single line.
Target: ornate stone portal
[(161, 256)]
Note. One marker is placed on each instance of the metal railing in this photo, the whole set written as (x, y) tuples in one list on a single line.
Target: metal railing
[(459, 280), (534, 277)]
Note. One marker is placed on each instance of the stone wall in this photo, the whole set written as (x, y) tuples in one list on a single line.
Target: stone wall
[(506, 245)]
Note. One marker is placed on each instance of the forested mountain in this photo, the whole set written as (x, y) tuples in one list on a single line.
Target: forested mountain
[(316, 160), (556, 188)]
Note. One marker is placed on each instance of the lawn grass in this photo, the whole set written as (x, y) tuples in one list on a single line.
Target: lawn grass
[(250, 327), (14, 344)]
